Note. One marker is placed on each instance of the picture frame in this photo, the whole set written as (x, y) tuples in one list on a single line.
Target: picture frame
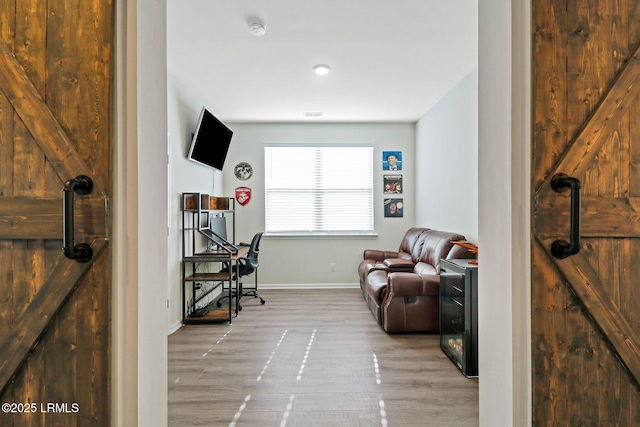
[(392, 160), (392, 184), (393, 208)]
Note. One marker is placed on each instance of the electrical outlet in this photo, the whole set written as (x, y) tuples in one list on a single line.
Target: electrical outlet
[(333, 267)]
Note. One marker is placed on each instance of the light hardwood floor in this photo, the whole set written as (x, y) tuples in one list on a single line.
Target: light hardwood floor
[(313, 358)]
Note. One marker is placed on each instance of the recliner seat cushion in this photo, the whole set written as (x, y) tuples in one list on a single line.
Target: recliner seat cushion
[(424, 268)]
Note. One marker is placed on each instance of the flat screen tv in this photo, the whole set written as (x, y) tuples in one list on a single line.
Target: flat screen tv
[(210, 142)]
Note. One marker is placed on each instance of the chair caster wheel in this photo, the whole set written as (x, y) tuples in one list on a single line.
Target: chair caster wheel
[(219, 304), (240, 308), (262, 301)]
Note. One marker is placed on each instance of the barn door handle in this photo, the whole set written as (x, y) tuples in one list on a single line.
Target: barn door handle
[(81, 252), (560, 248)]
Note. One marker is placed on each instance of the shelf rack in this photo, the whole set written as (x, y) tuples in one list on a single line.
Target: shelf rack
[(197, 209)]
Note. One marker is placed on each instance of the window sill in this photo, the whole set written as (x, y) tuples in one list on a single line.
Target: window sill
[(325, 234)]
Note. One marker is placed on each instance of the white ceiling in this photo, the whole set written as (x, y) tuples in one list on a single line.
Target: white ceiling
[(390, 60)]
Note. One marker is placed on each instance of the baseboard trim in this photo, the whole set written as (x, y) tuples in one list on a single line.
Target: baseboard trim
[(177, 325), (309, 286)]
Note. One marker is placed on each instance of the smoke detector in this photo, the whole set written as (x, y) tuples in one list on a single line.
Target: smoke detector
[(257, 27)]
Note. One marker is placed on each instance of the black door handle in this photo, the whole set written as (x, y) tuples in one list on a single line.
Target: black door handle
[(81, 252), (560, 248)]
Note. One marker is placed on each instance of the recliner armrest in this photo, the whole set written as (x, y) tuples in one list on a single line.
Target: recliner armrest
[(399, 264), (389, 265), (378, 255), (373, 267), (412, 284)]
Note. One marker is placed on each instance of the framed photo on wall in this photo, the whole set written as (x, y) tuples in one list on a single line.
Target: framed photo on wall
[(392, 184), (393, 208), (392, 160)]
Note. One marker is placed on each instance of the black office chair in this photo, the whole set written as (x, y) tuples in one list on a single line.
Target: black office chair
[(246, 266)]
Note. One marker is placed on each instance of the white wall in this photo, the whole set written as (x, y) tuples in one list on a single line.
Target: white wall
[(185, 176), (152, 211), (286, 261), (504, 303), (124, 247), (139, 336), (503, 226), (447, 146)]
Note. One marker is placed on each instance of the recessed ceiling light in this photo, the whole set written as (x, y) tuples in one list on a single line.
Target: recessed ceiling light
[(321, 69)]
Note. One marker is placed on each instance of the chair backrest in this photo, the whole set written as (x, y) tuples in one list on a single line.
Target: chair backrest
[(437, 245), (411, 244), (254, 250)]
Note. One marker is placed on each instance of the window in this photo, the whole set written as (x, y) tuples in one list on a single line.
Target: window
[(318, 189)]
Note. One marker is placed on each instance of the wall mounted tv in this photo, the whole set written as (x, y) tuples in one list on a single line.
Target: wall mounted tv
[(210, 142)]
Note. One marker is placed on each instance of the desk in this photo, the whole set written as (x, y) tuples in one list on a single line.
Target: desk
[(229, 255)]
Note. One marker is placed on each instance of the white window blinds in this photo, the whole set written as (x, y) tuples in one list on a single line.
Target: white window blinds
[(318, 189)]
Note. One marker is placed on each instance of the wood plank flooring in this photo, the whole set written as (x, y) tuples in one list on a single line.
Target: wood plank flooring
[(313, 358)]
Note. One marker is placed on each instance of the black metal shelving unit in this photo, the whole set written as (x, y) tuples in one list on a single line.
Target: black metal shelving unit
[(203, 249)]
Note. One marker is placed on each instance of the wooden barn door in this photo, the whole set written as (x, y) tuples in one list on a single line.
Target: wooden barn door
[(586, 307), (55, 66)]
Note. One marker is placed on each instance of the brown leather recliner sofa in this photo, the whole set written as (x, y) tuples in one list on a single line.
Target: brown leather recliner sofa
[(402, 287)]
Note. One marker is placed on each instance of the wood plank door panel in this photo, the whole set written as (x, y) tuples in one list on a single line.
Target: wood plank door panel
[(586, 307), (55, 118)]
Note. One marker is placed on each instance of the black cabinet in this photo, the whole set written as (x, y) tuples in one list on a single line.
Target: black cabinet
[(459, 314)]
